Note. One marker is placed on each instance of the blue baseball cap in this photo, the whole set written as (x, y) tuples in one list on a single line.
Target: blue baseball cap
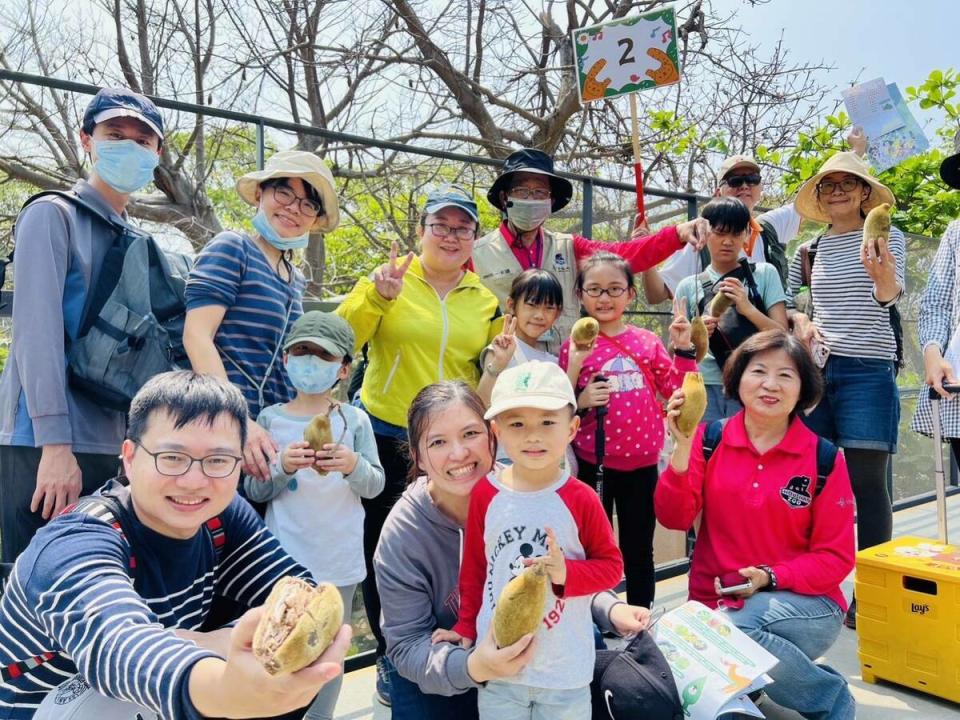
[(451, 196), (112, 102)]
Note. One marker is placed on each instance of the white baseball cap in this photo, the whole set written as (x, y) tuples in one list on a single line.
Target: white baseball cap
[(534, 384)]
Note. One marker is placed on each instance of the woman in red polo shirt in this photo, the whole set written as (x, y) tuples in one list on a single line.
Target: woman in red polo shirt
[(775, 517)]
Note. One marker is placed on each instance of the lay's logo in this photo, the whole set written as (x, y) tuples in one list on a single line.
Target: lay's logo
[(919, 608)]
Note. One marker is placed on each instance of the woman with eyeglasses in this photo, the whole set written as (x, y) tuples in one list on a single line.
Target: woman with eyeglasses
[(244, 292), (424, 319), (847, 288)]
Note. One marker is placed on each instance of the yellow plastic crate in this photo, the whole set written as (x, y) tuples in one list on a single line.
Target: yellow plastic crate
[(908, 615)]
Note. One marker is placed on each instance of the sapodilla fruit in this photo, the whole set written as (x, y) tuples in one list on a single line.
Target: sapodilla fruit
[(584, 333), (877, 225), (520, 607), (719, 304), (299, 622), (319, 433), (699, 337), (694, 403)]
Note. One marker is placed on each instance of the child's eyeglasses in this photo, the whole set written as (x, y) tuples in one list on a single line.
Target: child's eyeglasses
[(738, 181), (596, 292)]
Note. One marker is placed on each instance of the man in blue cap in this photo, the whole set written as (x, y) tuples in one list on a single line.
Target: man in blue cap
[(54, 443), (528, 191)]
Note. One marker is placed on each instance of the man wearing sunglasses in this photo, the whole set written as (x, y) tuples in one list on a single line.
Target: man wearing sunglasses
[(741, 178), (102, 616)]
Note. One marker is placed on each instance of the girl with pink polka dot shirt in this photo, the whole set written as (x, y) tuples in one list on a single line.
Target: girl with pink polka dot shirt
[(625, 369)]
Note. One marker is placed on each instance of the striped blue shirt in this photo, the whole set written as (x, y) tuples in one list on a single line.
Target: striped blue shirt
[(232, 272), (71, 595)]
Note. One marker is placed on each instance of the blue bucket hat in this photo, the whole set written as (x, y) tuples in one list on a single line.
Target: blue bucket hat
[(112, 102), (451, 196)]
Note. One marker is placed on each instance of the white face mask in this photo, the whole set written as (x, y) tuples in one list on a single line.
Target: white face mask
[(528, 215)]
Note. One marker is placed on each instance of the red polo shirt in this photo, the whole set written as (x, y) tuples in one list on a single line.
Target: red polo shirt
[(642, 253), (759, 509)]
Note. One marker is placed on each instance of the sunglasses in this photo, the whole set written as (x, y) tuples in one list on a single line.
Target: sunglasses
[(738, 181)]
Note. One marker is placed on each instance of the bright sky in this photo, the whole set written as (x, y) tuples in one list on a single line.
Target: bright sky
[(864, 39)]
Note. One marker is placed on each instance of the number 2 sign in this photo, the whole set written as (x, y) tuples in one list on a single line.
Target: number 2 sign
[(627, 55)]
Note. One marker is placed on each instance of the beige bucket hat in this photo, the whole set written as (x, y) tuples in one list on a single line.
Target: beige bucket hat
[(847, 162), (297, 164)]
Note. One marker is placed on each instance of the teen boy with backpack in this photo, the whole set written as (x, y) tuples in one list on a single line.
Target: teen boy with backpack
[(54, 443)]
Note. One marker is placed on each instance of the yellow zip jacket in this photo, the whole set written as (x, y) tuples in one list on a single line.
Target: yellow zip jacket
[(418, 339)]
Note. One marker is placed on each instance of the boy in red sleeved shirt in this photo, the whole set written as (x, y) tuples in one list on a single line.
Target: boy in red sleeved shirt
[(534, 512)]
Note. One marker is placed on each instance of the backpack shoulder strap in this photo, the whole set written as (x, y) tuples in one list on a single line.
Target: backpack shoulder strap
[(217, 535), (79, 202), (712, 436), (108, 510), (826, 459)]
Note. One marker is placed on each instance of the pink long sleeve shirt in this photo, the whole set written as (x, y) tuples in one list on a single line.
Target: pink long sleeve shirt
[(760, 509), (638, 368)]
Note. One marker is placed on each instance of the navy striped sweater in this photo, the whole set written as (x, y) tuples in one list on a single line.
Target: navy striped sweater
[(70, 606), (232, 272)]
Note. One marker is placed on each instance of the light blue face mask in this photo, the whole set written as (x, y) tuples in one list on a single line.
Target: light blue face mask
[(124, 165), (268, 233), (310, 374)]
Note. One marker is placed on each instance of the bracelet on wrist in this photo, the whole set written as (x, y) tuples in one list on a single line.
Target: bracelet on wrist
[(772, 585), (690, 354)]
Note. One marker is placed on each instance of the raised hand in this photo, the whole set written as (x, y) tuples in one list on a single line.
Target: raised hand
[(680, 327), (694, 232), (388, 278), (504, 344)]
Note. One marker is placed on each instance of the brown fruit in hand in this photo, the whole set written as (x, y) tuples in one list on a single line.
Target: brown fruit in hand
[(319, 433), (694, 403), (877, 225), (519, 608), (299, 622), (719, 304), (699, 337), (584, 333)]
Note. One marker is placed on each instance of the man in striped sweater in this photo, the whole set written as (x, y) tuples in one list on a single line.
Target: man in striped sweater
[(117, 589)]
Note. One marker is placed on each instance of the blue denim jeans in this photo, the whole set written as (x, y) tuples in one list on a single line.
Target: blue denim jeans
[(860, 407), (719, 405), (508, 701), (409, 702), (797, 629)]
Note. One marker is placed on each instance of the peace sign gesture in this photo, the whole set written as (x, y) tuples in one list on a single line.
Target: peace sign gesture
[(388, 278), (504, 344), (680, 327)]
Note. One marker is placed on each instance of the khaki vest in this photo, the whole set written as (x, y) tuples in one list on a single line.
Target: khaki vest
[(497, 266)]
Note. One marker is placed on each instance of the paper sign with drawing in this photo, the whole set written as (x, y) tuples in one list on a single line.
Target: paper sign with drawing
[(628, 55)]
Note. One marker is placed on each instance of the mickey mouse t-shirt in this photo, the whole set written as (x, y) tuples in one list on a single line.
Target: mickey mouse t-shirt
[(504, 527)]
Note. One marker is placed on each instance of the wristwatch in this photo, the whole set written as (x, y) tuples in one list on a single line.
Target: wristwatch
[(492, 370), (772, 585)]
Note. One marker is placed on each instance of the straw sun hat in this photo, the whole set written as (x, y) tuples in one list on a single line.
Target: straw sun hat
[(846, 162), (297, 164)]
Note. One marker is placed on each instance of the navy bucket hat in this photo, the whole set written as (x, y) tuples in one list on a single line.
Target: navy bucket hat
[(531, 161)]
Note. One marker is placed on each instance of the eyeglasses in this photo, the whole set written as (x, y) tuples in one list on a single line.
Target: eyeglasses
[(442, 230), (738, 181), (174, 464), (613, 292), (828, 187), (522, 193), (287, 197)]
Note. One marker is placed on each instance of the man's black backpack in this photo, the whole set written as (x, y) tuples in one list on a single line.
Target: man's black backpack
[(732, 327), (132, 324)]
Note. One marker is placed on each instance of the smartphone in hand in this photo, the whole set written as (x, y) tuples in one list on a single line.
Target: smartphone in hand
[(733, 582)]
